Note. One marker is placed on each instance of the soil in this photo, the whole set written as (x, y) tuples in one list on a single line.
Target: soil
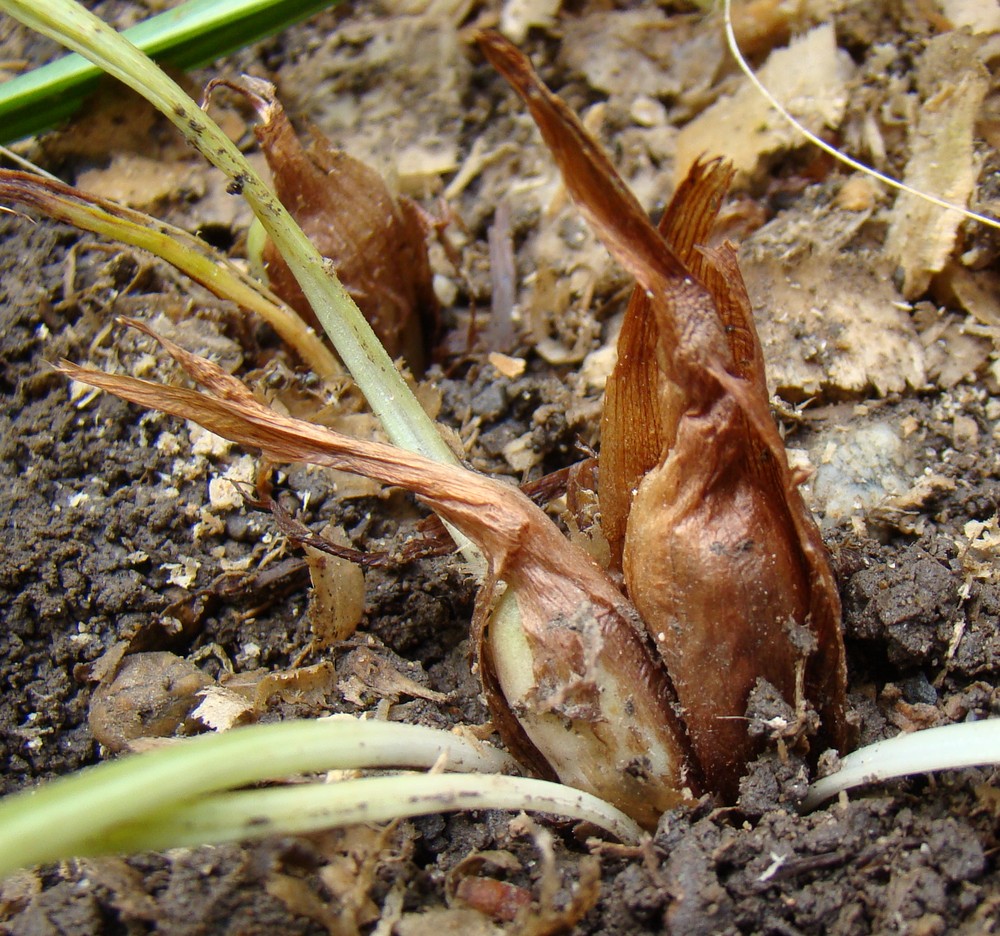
[(112, 535)]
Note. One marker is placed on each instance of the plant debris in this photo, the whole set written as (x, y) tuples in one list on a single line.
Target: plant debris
[(811, 75), (376, 241), (955, 83)]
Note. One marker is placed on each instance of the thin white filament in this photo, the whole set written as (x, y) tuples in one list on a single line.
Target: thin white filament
[(826, 147)]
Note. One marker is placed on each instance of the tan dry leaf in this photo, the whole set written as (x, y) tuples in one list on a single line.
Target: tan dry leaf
[(447, 922), (338, 595), (809, 77), (952, 349), (978, 16), (245, 696), (364, 670), (831, 323), (351, 859), (926, 488), (518, 16), (978, 292), (221, 708), (980, 551), (141, 182), (304, 901), (921, 235), (680, 58), (304, 685)]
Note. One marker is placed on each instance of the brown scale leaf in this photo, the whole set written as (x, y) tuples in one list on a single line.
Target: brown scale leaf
[(377, 242), (720, 555), (642, 403)]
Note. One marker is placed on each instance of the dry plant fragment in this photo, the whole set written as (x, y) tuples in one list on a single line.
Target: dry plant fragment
[(376, 241), (720, 556), (589, 700), (921, 235), (811, 73)]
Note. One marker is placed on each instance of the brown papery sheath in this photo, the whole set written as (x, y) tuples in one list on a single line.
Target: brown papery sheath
[(720, 555)]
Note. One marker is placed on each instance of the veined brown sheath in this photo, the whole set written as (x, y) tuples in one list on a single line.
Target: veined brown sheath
[(702, 514)]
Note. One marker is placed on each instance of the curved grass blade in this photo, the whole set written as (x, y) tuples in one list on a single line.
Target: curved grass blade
[(189, 36), (74, 815)]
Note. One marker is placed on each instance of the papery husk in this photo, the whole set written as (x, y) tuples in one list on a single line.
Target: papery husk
[(578, 693), (720, 555), (585, 698), (376, 241)]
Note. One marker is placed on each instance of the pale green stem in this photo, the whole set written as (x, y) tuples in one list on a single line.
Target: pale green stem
[(949, 747), (289, 810), (60, 818)]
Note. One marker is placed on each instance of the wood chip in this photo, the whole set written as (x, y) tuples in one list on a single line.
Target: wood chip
[(921, 235), (809, 78)]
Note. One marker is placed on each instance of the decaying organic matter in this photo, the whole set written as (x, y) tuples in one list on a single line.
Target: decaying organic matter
[(375, 240), (702, 513)]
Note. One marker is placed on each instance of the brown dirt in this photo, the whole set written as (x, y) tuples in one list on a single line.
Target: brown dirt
[(101, 506)]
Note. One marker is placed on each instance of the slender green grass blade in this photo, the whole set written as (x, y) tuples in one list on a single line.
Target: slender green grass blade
[(255, 814), (78, 812), (191, 35)]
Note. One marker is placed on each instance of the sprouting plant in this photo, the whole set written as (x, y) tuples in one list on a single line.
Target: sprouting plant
[(638, 697), (402, 417), (702, 514), (597, 688), (376, 241)]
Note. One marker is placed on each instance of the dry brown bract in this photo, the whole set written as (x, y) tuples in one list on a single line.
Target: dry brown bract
[(720, 556), (377, 242)]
